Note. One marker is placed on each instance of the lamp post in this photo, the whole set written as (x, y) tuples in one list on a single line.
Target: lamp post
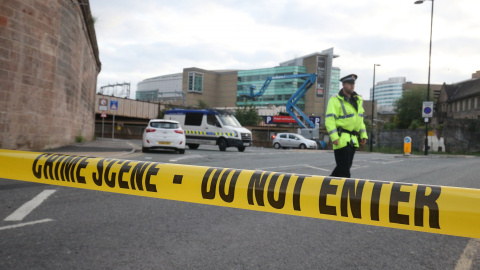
[(373, 102), (429, 65)]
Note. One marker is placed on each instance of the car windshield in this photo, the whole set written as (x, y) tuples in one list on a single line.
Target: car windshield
[(166, 125), (229, 120)]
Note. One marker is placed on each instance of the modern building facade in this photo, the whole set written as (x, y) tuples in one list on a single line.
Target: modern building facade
[(161, 88), (278, 91), (387, 92), (334, 82), (227, 88)]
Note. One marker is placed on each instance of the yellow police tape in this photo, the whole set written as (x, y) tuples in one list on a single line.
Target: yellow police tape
[(426, 208)]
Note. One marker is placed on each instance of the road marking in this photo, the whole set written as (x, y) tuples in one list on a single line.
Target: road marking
[(29, 206), (25, 224), (469, 253), (358, 167), (294, 166), (316, 168), (187, 157)]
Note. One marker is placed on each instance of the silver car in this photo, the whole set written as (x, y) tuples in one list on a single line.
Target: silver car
[(292, 140)]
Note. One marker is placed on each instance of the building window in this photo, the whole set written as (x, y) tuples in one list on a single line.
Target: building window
[(195, 82)]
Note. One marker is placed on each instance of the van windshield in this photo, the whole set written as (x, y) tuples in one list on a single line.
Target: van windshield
[(229, 120)]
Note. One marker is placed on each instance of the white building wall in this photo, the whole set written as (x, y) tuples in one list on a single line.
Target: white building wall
[(166, 85)]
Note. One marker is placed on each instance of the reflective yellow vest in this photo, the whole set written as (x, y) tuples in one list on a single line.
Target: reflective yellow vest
[(340, 113)]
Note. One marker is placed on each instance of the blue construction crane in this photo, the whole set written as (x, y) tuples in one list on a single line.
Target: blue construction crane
[(309, 81)]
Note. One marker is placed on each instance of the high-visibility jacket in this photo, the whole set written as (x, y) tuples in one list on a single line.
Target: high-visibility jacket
[(342, 114)]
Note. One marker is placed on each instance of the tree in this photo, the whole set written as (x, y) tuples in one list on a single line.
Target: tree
[(247, 116), (409, 107)]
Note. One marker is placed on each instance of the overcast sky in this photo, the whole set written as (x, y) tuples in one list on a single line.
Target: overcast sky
[(143, 39)]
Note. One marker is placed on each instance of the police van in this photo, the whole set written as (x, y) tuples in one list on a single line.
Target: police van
[(211, 127)]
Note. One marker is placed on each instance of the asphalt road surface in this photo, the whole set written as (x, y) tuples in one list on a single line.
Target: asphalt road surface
[(67, 228)]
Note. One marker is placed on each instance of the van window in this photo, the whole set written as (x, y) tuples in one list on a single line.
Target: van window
[(193, 119), (212, 120)]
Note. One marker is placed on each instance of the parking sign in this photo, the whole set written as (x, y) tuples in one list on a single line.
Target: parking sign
[(427, 110)]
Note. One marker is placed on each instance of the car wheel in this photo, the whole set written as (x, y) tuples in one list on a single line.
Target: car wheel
[(222, 144), (241, 148), (144, 150), (193, 146), (181, 151), (303, 146), (277, 145)]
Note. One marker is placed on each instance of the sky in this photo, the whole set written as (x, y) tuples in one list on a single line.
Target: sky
[(143, 39)]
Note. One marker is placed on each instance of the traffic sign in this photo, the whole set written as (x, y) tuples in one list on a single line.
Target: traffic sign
[(103, 115), (103, 104), (427, 110), (113, 105), (407, 145)]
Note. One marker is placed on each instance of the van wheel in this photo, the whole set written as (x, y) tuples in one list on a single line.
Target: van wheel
[(303, 146), (193, 146), (181, 151), (144, 150), (241, 148), (276, 145), (222, 144)]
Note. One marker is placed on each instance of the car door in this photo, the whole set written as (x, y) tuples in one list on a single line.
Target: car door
[(283, 140), (293, 141)]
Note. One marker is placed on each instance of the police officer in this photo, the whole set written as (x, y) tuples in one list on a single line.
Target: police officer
[(344, 123)]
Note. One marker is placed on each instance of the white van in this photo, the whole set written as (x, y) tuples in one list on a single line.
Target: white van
[(212, 127)]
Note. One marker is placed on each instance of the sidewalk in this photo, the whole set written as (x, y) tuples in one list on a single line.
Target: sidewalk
[(98, 148)]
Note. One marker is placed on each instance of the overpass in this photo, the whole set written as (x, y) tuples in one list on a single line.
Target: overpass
[(131, 116)]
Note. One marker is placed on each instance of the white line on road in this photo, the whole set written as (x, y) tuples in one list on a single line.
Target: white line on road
[(25, 224), (187, 157), (469, 253), (294, 166), (316, 168), (29, 206)]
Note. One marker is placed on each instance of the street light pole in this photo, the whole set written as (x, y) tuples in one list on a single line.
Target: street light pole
[(373, 102), (429, 65)]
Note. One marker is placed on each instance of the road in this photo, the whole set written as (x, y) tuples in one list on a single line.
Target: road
[(81, 229)]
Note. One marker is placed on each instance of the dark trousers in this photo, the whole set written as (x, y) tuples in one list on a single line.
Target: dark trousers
[(344, 160)]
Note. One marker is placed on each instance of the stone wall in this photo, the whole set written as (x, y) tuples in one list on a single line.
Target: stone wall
[(48, 73), (459, 136), (462, 135), (394, 138)]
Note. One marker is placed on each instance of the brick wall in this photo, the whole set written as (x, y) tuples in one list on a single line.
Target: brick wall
[(48, 73)]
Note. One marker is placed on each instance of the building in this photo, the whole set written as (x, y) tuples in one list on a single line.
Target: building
[(278, 91), (227, 88), (334, 82), (434, 89), (162, 88), (387, 92), (459, 100)]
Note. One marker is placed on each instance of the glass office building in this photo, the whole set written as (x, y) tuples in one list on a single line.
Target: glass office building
[(334, 82), (278, 91), (387, 92)]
